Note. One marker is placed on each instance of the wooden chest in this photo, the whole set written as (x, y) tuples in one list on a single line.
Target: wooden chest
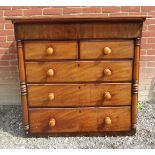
[(79, 74)]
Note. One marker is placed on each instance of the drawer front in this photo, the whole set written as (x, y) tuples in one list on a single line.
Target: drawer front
[(79, 120), (79, 71), (63, 95), (78, 30), (106, 49), (50, 50)]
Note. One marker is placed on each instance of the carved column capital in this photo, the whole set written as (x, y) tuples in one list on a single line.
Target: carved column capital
[(138, 41), (19, 44)]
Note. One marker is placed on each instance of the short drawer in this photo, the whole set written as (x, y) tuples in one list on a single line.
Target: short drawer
[(107, 49), (76, 71), (78, 95), (56, 120), (35, 50)]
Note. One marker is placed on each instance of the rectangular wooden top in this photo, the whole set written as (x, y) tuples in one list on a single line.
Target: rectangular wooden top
[(77, 19)]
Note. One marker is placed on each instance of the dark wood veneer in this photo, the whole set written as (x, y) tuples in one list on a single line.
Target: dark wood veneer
[(78, 31)]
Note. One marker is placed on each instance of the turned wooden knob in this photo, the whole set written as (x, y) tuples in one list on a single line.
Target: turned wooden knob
[(107, 72), (50, 72), (52, 122), (107, 95), (51, 96), (50, 51), (107, 51), (107, 121)]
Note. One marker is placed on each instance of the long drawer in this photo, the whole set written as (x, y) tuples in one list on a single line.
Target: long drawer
[(107, 49), (76, 71), (56, 120), (78, 95)]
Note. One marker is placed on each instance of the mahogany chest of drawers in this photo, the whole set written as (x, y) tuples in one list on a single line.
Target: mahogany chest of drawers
[(79, 74)]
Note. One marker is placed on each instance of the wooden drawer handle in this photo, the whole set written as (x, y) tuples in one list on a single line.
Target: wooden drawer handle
[(107, 121), (50, 51), (107, 72), (52, 122), (107, 51), (51, 96), (107, 95), (50, 72)]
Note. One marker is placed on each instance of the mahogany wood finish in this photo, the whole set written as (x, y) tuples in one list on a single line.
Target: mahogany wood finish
[(60, 19), (23, 85), (79, 74), (135, 83), (79, 120), (79, 95), (77, 71), (114, 49), (92, 30), (35, 50)]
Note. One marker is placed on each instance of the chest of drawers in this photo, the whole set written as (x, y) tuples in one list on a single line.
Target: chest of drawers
[(79, 74)]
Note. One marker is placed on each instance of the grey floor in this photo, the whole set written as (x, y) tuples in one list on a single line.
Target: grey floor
[(12, 135)]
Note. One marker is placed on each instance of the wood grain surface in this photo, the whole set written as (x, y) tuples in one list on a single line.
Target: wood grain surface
[(61, 50), (79, 95), (79, 74), (135, 83), (23, 87), (77, 30), (77, 18), (79, 120), (76, 71), (95, 49)]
